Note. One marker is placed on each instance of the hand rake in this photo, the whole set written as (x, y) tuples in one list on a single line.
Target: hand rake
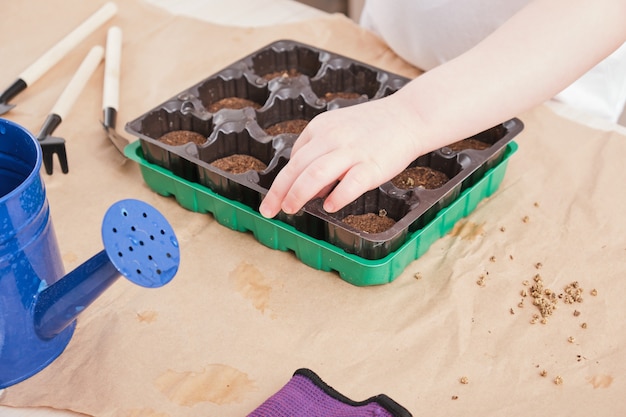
[(51, 145)]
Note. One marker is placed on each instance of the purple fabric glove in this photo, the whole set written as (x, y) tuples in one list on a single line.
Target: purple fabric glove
[(306, 395)]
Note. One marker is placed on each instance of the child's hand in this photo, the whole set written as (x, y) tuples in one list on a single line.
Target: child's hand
[(530, 58), (355, 148)]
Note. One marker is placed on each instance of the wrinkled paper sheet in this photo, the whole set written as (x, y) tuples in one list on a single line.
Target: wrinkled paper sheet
[(240, 318)]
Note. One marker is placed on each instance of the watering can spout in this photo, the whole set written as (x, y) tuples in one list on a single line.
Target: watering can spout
[(139, 244)]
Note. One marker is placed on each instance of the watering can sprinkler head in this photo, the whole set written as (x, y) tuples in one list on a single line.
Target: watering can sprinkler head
[(139, 244)]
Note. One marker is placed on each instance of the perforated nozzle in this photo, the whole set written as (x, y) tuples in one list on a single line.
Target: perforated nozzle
[(140, 243)]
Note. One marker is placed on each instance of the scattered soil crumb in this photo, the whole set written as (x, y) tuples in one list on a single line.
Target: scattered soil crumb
[(558, 380), (481, 281), (573, 293), (455, 397), (571, 339), (594, 292), (544, 299), (417, 275), (525, 219), (464, 380), (543, 373), (238, 164)]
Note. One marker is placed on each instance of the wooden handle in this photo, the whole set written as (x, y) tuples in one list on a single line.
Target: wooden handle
[(78, 81), (112, 60), (58, 51)]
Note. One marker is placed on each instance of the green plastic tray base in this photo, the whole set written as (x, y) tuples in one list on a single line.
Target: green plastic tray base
[(316, 253)]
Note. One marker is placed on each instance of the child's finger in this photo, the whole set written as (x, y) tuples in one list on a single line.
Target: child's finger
[(356, 181), (318, 175)]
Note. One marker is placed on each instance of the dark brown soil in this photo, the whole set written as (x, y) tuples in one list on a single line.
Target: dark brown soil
[(238, 164), (468, 144), (288, 126), (290, 73), (181, 137), (420, 177), (234, 103), (370, 222), (350, 96)]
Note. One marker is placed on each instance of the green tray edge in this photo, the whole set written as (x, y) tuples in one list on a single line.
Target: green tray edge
[(316, 253)]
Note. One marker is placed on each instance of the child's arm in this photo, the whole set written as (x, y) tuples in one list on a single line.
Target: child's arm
[(534, 55)]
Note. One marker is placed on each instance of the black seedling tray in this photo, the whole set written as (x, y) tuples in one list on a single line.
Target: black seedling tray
[(285, 81)]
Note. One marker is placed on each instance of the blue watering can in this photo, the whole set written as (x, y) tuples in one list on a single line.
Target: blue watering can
[(38, 302)]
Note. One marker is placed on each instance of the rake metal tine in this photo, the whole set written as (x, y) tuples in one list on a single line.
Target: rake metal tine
[(51, 145)]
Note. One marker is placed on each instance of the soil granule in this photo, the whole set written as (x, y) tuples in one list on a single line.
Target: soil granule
[(233, 103), (468, 144), (349, 96), (238, 164), (288, 126), (181, 137), (369, 222), (420, 177), (290, 73)]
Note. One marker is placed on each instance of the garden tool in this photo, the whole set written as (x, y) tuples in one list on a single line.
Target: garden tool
[(55, 145), (55, 54), (111, 88)]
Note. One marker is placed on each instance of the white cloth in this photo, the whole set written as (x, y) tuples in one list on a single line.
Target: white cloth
[(428, 33)]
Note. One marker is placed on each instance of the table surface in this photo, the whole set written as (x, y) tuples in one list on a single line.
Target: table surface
[(255, 13)]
